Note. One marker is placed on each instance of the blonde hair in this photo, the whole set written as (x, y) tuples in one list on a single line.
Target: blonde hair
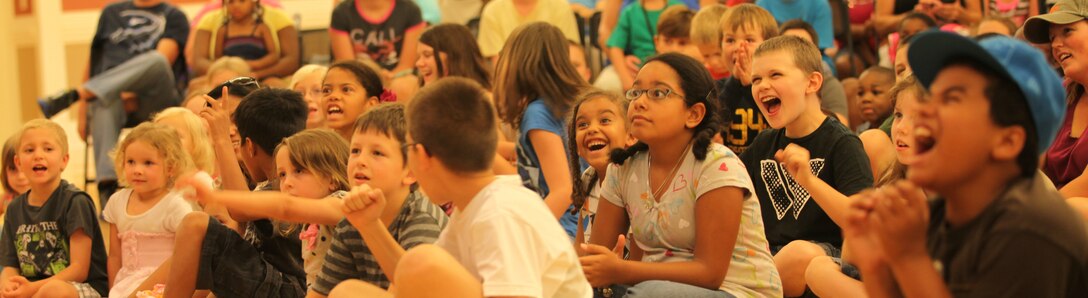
[(201, 152), (751, 16), (706, 25), (305, 71), (235, 64), (166, 141), (62, 137), (805, 54), (322, 152)]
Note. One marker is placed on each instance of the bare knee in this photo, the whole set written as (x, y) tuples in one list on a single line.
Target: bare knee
[(194, 221), (798, 254), (821, 266), (421, 259)]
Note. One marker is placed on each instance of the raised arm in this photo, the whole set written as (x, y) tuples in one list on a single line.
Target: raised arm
[(834, 203)]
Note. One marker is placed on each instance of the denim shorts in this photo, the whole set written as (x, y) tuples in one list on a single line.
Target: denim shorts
[(231, 267)]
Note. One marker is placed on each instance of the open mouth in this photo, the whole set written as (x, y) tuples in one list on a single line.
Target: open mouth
[(923, 138), (772, 104), (1064, 56), (595, 145), (39, 169), (901, 146), (334, 110), (361, 178)]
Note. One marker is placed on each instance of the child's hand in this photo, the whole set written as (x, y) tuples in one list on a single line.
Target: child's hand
[(864, 248), (364, 205), (632, 62), (600, 265), (796, 160), (899, 219), (742, 64), (215, 113), (15, 287), (196, 187)]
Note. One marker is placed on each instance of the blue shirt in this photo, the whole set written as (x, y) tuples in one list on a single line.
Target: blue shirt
[(538, 117), (815, 13)]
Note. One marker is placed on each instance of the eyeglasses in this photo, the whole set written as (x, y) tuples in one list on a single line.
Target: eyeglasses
[(652, 93)]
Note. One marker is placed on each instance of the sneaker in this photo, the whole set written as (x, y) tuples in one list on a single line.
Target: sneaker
[(55, 103)]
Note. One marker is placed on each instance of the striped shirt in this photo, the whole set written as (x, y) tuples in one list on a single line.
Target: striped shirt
[(419, 222)]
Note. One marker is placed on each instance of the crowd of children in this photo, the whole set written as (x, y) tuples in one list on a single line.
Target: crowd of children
[(719, 155)]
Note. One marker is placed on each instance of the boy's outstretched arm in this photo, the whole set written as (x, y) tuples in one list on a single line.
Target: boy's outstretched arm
[(363, 209), (796, 161), (248, 206)]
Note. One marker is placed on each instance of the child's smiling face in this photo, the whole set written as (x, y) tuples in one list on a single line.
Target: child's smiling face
[(747, 38), (779, 87), (954, 133), (599, 129)]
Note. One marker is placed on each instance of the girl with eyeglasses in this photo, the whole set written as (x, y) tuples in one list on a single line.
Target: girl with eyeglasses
[(689, 204)]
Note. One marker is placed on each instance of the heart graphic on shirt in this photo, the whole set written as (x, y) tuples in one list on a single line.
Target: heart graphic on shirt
[(683, 224), (680, 183), (723, 167)]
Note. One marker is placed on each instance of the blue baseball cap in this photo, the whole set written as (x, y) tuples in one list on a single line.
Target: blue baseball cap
[(1010, 58)]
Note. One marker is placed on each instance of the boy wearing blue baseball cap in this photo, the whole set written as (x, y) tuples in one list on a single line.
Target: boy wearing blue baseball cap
[(996, 228)]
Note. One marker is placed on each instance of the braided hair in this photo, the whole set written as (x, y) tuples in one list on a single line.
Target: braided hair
[(699, 87)]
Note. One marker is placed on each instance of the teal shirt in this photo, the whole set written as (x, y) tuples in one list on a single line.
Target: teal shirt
[(634, 33)]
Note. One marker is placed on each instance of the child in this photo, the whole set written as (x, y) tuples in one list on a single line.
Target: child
[(350, 90), (785, 79), (252, 39), (633, 39), (14, 181), (307, 80), (996, 106), (697, 228), (383, 31), (193, 134), (832, 96), (502, 239), (443, 51), (312, 177), (597, 126), (873, 85), (534, 91), (831, 277), (674, 32), (378, 146), (144, 217), (744, 27), (218, 109), (707, 36), (51, 243), (262, 241)]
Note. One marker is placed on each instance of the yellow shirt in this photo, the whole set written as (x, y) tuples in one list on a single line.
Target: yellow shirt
[(500, 18), (275, 19)]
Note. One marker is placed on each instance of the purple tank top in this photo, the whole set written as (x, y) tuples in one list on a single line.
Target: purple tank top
[(1067, 157)]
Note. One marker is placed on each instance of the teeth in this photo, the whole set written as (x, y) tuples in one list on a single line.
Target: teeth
[(335, 110), (923, 132)]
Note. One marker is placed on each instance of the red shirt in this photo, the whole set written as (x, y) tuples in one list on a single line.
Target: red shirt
[(1068, 156)]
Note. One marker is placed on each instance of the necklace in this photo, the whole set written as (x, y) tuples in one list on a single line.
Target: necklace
[(665, 182)]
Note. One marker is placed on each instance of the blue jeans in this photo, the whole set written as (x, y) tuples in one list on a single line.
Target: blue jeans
[(150, 77), (661, 288)]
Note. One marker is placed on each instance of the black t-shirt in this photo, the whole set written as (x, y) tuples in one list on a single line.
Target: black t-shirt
[(1027, 243), (742, 118), (35, 238), (125, 31), (283, 252), (379, 40), (789, 212)]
